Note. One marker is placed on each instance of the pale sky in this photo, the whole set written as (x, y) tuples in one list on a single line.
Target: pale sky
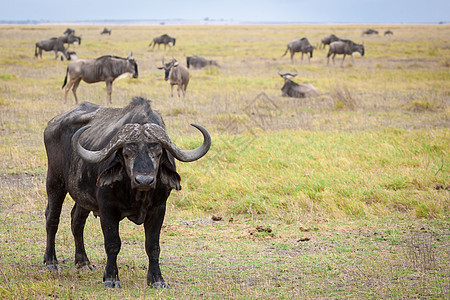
[(313, 11)]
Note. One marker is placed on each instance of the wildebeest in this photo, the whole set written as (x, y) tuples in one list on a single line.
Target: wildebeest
[(177, 75), (69, 31), (198, 62), (369, 32), (302, 45), (54, 44), (328, 40), (163, 39), (295, 90), (388, 32), (118, 163), (105, 68), (345, 47), (106, 31), (71, 38)]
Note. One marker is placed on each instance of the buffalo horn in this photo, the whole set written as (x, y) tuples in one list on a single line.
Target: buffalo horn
[(127, 134), (154, 131)]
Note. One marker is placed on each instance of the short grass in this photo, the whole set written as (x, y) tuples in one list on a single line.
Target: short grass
[(345, 195)]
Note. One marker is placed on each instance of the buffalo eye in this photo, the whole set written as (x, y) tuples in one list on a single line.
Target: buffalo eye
[(129, 151)]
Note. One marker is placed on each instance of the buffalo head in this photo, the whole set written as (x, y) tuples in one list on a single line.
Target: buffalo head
[(139, 151)]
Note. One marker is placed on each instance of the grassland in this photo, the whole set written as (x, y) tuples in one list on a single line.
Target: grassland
[(345, 195)]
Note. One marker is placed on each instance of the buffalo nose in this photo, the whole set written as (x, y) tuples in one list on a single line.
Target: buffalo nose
[(144, 180)]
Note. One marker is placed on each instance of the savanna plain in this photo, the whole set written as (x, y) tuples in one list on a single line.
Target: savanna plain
[(340, 196)]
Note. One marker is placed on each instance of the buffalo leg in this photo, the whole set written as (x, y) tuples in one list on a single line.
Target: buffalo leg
[(79, 216), (110, 228), (153, 224), (56, 194)]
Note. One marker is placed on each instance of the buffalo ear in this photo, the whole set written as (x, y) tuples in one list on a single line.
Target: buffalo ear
[(168, 174), (110, 175)]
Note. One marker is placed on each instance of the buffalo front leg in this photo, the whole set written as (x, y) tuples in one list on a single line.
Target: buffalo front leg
[(79, 216), (152, 227), (56, 194), (110, 227)]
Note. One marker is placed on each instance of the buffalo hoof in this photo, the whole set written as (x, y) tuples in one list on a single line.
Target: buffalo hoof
[(160, 285), (113, 284), (53, 268)]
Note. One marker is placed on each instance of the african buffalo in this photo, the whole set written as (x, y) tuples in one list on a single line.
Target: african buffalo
[(369, 32), (53, 44), (345, 47), (105, 68), (177, 75), (118, 163), (295, 90), (302, 45), (106, 31), (163, 39), (328, 40), (198, 62)]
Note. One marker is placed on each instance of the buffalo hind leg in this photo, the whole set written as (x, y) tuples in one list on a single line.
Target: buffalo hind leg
[(56, 194), (79, 216)]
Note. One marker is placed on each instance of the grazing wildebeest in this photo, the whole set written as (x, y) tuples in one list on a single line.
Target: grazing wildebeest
[(345, 47), (69, 31), (295, 90), (118, 163), (198, 62), (177, 75), (388, 32), (105, 68), (106, 31), (328, 40), (369, 32), (70, 39), (302, 45), (163, 39), (53, 44)]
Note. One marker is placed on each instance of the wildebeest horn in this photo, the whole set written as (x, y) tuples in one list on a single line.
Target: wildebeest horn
[(127, 134), (157, 132)]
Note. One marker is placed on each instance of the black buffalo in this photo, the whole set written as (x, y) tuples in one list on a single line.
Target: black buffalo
[(163, 39), (198, 62), (118, 163)]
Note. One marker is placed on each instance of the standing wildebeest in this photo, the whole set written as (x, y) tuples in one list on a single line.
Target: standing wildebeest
[(345, 47), (302, 45), (177, 75), (53, 44), (369, 32), (69, 31), (70, 39), (118, 163), (106, 31), (295, 90), (328, 40), (106, 68), (163, 39), (388, 32), (198, 62)]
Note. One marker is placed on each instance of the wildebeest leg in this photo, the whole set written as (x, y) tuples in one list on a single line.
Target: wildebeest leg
[(292, 56), (171, 90), (342, 63), (152, 225), (108, 91), (74, 89), (110, 228), (79, 216), (40, 52), (56, 194)]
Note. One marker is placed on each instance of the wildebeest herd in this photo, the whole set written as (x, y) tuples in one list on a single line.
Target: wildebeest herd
[(119, 162)]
